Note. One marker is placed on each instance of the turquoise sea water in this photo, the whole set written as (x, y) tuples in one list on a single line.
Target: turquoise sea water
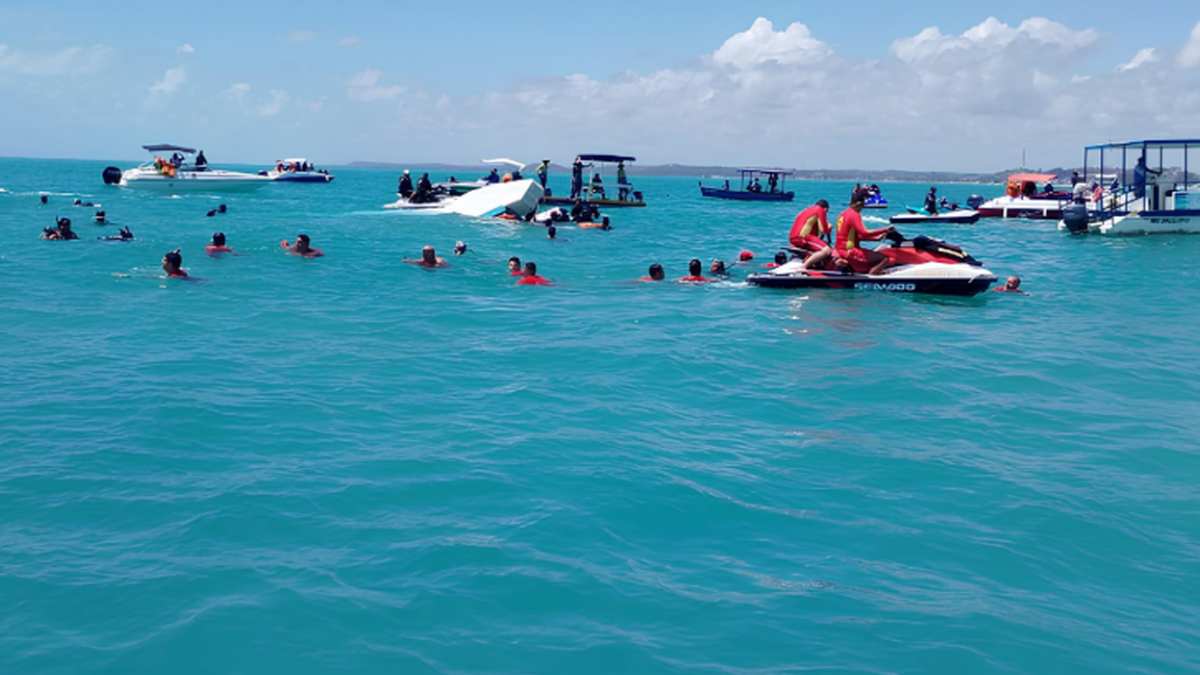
[(352, 465)]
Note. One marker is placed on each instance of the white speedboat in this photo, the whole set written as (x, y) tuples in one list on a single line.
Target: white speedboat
[(298, 170), (180, 173)]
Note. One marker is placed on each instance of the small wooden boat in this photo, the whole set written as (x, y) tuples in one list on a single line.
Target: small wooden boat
[(751, 189)]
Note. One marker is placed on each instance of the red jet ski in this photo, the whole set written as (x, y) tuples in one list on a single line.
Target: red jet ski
[(921, 265)]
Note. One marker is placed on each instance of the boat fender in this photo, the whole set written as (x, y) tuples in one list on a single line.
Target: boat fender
[(112, 175)]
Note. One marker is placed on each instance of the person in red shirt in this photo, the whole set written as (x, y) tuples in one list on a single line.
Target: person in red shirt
[(302, 247), (514, 267), (694, 276), (848, 245), (811, 228), (531, 277), (172, 264), (217, 247), (656, 273)]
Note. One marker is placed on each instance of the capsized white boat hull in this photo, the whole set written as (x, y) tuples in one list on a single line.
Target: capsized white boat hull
[(521, 197)]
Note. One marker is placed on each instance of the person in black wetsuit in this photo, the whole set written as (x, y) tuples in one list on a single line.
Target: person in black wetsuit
[(931, 202), (406, 186), (201, 161)]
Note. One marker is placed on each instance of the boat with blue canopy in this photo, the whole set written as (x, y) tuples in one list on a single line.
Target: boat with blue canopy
[(1140, 199), (752, 190), (587, 183)]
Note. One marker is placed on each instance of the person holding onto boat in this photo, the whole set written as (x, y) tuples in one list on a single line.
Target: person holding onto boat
[(406, 187), (851, 233), (1139, 177), (543, 172), (531, 277), (811, 228), (931, 202), (695, 275), (302, 247), (217, 247), (429, 259)]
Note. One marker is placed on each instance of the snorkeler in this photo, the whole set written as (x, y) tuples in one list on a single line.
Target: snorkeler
[(123, 235), (61, 231), (217, 247), (531, 277), (460, 248), (428, 259), (302, 247), (694, 274), (172, 264)]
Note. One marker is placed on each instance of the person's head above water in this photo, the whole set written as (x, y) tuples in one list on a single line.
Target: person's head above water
[(218, 239), (717, 267), (459, 248), (531, 269), (172, 261), (428, 256), (823, 204), (694, 267), (551, 232), (45, 199), (657, 273), (302, 242), (514, 263), (1012, 284)]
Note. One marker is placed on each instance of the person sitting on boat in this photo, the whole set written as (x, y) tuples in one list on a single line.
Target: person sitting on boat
[(694, 273), (1139, 177), (493, 177), (516, 175), (424, 183), (1049, 189), (201, 161), (597, 186), (543, 172), (931, 202), (851, 233), (1029, 189), (406, 187), (726, 186), (811, 228), (875, 191)]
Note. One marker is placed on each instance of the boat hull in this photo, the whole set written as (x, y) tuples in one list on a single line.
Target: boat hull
[(300, 177), (1021, 207), (192, 181), (928, 278), (1146, 222), (743, 196), (951, 218)]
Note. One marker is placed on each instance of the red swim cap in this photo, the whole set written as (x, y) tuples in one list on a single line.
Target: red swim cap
[(745, 255)]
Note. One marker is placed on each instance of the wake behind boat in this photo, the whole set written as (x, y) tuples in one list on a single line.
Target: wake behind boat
[(181, 173)]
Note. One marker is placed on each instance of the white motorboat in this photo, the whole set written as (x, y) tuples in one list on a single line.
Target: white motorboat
[(1153, 204), (519, 198), (298, 170), (181, 173)]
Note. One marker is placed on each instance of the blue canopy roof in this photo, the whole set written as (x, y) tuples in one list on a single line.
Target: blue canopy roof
[(168, 148), (1160, 143), (607, 158)]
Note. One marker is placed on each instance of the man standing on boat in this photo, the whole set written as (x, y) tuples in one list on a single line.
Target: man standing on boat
[(543, 172), (622, 182), (577, 177), (1139, 177)]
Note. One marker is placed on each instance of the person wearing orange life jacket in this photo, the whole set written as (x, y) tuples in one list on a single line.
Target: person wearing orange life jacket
[(811, 228), (851, 233)]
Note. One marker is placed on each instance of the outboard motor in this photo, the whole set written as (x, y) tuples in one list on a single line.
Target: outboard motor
[(975, 201), (112, 176), (1075, 217)]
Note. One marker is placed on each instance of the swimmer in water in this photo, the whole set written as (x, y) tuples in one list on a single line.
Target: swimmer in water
[(1012, 285), (80, 202), (531, 277), (45, 199), (656, 273), (460, 248), (781, 259), (718, 269), (602, 225), (302, 247), (551, 232), (123, 235), (428, 259), (61, 231), (172, 264), (694, 273), (514, 267), (101, 218), (217, 247)]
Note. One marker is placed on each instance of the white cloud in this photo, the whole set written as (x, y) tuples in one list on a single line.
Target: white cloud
[(349, 41), (364, 86), (69, 61), (186, 49), (299, 36), (992, 36), (1189, 57), (1143, 57), (171, 80), (236, 91), (273, 107), (763, 44)]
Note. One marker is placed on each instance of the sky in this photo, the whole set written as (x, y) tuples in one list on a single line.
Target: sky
[(921, 85)]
